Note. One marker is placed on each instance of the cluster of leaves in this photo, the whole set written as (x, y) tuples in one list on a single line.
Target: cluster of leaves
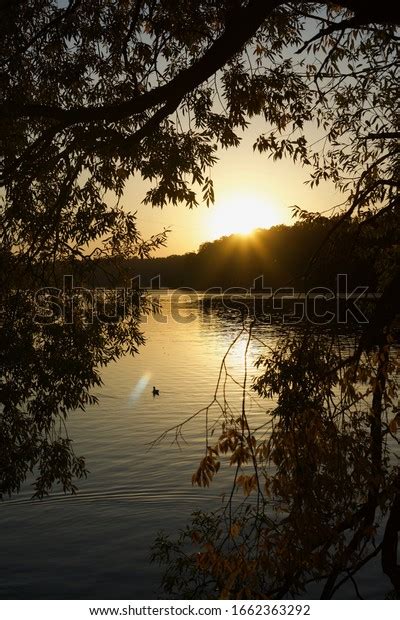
[(94, 93), (318, 477), (50, 364)]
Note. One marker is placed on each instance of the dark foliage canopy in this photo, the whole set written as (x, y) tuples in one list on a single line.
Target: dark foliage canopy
[(94, 93)]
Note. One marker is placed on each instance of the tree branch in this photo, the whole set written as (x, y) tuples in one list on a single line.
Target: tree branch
[(334, 27), (242, 24)]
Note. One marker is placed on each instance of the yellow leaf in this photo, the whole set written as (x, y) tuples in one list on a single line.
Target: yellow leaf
[(234, 530)]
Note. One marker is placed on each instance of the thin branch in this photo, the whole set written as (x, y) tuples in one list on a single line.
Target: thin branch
[(334, 27), (242, 24)]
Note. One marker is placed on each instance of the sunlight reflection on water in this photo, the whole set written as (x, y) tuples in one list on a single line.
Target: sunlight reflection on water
[(96, 544)]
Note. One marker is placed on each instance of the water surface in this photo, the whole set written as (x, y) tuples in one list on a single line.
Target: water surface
[(97, 544)]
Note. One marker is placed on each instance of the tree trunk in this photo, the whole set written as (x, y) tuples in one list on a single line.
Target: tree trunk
[(389, 546)]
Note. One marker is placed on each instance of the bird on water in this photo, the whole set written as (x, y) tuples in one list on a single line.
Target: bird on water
[(155, 391)]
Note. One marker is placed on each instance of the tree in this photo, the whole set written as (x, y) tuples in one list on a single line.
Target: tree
[(54, 345), (313, 478), (96, 92)]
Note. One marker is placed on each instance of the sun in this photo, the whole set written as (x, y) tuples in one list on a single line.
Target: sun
[(241, 213)]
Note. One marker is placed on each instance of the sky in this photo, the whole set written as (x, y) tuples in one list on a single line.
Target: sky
[(251, 191)]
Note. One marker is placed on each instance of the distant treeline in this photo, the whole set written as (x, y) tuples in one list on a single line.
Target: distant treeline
[(283, 255)]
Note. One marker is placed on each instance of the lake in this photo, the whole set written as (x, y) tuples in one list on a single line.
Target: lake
[(97, 544)]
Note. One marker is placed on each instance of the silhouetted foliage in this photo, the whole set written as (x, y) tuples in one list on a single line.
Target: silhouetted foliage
[(280, 254), (50, 365), (95, 93)]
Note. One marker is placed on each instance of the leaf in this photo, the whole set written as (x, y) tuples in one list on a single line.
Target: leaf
[(235, 530)]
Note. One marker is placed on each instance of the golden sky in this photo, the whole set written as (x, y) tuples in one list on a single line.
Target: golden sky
[(251, 191)]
